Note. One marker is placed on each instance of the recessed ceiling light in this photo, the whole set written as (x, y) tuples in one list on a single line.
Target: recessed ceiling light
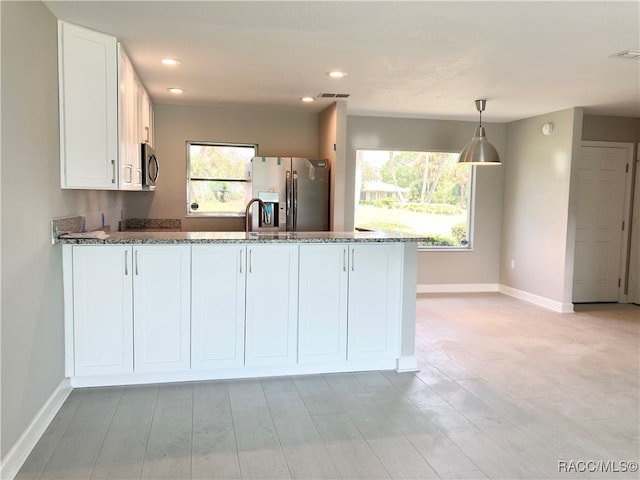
[(170, 61), (307, 99), (176, 90), (336, 74)]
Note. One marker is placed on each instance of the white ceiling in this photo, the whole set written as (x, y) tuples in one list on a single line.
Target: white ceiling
[(422, 59)]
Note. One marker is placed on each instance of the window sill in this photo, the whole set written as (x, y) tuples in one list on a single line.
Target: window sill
[(444, 249), (215, 215)]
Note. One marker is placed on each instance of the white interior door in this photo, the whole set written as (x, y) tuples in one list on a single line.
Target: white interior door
[(599, 224)]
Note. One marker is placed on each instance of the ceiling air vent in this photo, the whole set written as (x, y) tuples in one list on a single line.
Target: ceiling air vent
[(633, 54), (333, 95)]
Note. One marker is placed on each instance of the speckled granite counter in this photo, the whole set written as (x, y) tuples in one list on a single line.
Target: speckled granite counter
[(142, 237)]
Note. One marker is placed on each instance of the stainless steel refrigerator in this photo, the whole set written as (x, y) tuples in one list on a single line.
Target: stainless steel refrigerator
[(295, 192)]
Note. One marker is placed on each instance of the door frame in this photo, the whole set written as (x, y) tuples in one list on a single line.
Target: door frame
[(625, 251)]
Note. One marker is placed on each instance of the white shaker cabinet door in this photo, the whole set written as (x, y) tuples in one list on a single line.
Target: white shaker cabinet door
[(272, 305), (88, 94), (130, 150), (161, 291), (323, 303), (145, 124), (102, 310), (375, 286), (217, 306)]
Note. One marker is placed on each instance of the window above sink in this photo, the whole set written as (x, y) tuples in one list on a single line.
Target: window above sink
[(218, 183)]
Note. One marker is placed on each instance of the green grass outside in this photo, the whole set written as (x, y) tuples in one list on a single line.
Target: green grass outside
[(368, 216)]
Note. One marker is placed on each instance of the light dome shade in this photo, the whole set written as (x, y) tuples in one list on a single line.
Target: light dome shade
[(479, 151)]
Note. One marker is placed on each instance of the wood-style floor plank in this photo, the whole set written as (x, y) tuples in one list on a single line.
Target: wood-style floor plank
[(505, 390), (168, 454)]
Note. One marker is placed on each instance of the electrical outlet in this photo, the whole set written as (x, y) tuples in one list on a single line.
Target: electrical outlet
[(513, 264)]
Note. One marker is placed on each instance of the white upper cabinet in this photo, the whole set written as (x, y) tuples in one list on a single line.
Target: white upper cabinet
[(146, 117), (88, 88), (130, 164), (104, 112)]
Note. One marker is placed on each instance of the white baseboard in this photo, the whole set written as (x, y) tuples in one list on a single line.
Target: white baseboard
[(457, 288), (12, 462), (407, 364), (495, 287), (554, 305)]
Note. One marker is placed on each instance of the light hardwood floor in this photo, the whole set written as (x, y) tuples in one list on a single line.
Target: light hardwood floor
[(505, 390)]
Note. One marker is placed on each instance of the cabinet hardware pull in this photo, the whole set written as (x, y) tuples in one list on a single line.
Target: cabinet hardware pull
[(344, 259), (353, 259), (146, 130), (250, 262), (126, 261), (137, 273), (240, 261), (113, 165)]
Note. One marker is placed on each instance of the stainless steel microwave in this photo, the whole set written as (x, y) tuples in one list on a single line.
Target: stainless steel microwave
[(150, 167)]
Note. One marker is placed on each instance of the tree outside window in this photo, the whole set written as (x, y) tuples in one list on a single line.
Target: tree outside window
[(217, 181), (425, 193)]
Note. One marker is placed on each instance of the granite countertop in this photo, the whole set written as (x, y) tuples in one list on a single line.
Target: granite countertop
[(164, 237)]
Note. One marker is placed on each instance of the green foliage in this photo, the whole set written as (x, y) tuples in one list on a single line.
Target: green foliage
[(384, 225), (439, 241), (434, 208), (388, 202), (229, 197), (222, 162), (459, 232), (221, 169), (409, 167), (444, 181)]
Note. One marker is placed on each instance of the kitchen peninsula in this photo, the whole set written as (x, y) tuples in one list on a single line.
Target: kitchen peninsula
[(144, 307)]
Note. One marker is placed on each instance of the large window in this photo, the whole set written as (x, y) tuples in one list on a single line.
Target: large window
[(426, 193), (217, 180)]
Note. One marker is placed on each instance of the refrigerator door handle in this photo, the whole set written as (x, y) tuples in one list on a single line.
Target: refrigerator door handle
[(287, 196), (295, 201)]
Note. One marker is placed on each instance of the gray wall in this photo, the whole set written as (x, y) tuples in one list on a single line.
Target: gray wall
[(332, 133), (326, 139), (477, 266), (277, 133), (610, 129), (538, 227), (32, 315)]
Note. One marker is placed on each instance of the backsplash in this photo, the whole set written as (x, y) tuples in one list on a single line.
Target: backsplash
[(165, 224), (66, 225), (78, 223)]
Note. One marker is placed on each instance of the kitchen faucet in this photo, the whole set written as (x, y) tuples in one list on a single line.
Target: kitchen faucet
[(262, 207)]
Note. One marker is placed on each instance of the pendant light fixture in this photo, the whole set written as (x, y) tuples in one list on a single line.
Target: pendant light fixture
[(479, 151)]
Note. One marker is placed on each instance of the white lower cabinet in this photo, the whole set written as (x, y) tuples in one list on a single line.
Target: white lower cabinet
[(197, 308), (375, 295), (162, 310), (102, 310), (217, 306), (272, 305), (322, 316)]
